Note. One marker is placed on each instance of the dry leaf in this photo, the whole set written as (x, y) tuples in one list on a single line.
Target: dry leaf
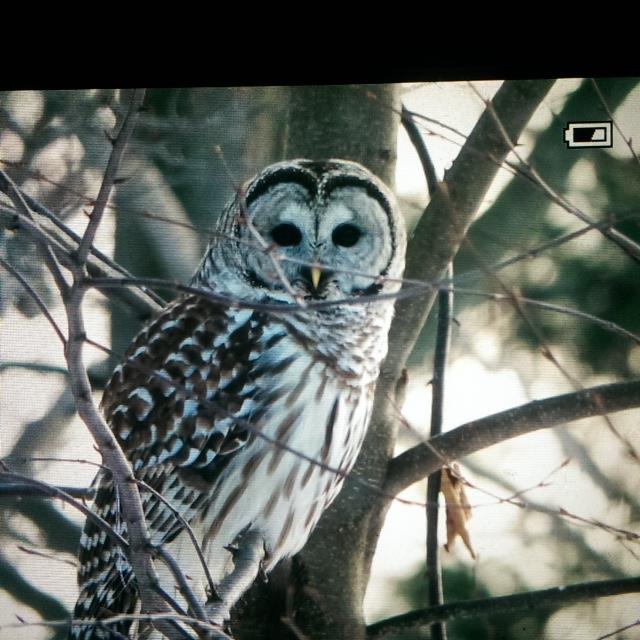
[(458, 509)]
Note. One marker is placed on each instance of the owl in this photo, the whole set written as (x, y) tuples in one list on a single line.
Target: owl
[(245, 409)]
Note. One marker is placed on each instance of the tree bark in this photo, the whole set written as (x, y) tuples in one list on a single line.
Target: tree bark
[(325, 584), (322, 595)]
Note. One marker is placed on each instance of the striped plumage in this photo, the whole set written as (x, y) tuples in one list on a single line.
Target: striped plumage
[(211, 399)]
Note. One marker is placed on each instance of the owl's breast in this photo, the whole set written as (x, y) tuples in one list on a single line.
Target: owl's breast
[(310, 426)]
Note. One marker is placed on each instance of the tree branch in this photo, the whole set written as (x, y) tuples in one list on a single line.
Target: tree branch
[(546, 598), (12, 489), (25, 216), (146, 304), (110, 174), (443, 341), (406, 117), (444, 224), (139, 554), (631, 248), (36, 298), (424, 459), (24, 485)]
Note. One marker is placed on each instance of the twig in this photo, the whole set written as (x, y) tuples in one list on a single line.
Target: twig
[(33, 366), (16, 219), (439, 234), (110, 174), (40, 209), (562, 530), (183, 585), (239, 303), (523, 419), (443, 341), (211, 233), (148, 618), (47, 556), (403, 294), (49, 490), (556, 308), (36, 298), (627, 141), (515, 299), (619, 630), (63, 249), (187, 528), (419, 461), (406, 117), (516, 501), (268, 249), (536, 251), (113, 456), (546, 598), (115, 460), (12, 489), (8, 187), (631, 248)]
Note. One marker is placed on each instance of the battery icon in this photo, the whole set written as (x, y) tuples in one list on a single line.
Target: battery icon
[(588, 134)]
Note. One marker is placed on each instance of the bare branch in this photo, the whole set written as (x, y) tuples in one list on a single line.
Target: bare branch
[(515, 500), (553, 599), (113, 457), (12, 489), (40, 209), (187, 528), (152, 618), (556, 242), (110, 174), (30, 485), (443, 341), (406, 117), (619, 630), (36, 298), (249, 426), (421, 460), (181, 580), (627, 141), (445, 221), (47, 556), (556, 308), (62, 249), (8, 187), (631, 248), (403, 294)]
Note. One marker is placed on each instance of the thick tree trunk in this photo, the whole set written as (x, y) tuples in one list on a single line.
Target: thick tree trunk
[(322, 589)]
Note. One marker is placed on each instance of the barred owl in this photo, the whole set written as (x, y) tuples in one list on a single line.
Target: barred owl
[(239, 415)]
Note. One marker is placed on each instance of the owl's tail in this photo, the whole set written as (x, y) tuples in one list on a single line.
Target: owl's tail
[(107, 583)]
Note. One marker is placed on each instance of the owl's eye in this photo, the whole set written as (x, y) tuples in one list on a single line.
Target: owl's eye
[(286, 235), (346, 235)]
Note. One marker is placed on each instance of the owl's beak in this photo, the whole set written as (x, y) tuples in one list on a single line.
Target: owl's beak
[(316, 273)]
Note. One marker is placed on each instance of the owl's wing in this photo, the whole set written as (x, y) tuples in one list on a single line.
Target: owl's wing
[(178, 405)]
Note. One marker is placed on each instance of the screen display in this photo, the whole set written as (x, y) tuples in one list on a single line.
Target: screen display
[(329, 361)]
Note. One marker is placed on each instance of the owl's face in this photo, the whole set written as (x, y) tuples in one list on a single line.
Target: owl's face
[(334, 213)]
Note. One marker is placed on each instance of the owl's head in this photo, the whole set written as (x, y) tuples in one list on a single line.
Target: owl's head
[(319, 230)]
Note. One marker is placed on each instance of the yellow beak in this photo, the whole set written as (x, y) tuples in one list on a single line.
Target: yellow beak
[(315, 276)]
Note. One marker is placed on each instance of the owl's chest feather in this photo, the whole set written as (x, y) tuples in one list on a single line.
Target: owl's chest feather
[(306, 441), (258, 418)]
